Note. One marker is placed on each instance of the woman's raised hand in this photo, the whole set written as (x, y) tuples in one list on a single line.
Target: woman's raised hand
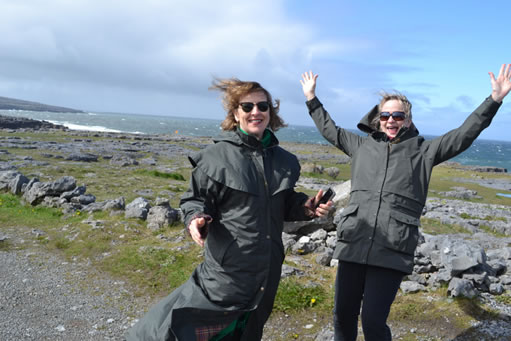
[(502, 84), (308, 82)]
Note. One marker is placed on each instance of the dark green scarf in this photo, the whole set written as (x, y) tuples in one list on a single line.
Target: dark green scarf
[(266, 140)]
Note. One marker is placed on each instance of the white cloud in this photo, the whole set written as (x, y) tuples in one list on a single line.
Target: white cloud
[(161, 45), (159, 56)]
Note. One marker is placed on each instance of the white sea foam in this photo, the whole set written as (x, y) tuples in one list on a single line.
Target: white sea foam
[(73, 126)]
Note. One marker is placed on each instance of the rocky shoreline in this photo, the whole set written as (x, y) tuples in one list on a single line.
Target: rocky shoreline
[(472, 265)]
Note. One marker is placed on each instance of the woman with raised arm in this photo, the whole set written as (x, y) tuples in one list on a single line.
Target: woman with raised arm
[(390, 173)]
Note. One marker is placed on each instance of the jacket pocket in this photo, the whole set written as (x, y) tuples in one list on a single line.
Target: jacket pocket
[(347, 224), (402, 232)]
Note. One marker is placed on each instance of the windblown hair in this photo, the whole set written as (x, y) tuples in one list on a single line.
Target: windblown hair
[(233, 90), (385, 97)]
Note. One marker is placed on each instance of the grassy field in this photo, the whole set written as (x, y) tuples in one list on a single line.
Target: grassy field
[(156, 262)]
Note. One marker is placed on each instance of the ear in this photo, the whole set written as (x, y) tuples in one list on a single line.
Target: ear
[(234, 113)]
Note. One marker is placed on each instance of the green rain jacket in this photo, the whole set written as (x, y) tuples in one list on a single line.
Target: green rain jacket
[(248, 191), (389, 183)]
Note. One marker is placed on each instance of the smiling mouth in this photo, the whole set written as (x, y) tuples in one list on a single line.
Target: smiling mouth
[(393, 129)]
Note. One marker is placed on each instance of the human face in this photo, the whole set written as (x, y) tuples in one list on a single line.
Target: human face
[(391, 127), (255, 121)]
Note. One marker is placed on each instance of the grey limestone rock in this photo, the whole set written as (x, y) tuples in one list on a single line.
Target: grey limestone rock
[(123, 161), (411, 287), (16, 184), (161, 216), (83, 199), (461, 287), (82, 157), (74, 193), (138, 208), (325, 257)]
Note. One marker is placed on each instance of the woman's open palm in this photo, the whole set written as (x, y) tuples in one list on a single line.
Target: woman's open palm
[(502, 84)]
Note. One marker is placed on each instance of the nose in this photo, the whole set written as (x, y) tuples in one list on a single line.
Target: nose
[(254, 111), (391, 119)]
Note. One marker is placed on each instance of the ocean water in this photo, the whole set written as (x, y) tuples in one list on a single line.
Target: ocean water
[(481, 153)]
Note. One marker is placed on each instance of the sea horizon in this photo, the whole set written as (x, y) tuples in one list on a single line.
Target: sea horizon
[(483, 152)]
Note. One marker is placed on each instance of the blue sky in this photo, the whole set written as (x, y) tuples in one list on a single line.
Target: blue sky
[(159, 57)]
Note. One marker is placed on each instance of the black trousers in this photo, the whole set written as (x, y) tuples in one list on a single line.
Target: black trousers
[(372, 287)]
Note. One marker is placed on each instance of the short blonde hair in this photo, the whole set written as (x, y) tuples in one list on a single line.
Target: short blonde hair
[(384, 98), (233, 90)]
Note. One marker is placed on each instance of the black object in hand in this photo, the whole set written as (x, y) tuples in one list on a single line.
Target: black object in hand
[(329, 194)]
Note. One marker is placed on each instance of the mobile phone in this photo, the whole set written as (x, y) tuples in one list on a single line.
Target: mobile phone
[(329, 194)]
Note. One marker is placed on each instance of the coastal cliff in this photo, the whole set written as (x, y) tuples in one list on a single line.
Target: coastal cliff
[(9, 122), (7, 103)]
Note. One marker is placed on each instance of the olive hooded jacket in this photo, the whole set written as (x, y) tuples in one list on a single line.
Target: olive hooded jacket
[(248, 191), (389, 183)]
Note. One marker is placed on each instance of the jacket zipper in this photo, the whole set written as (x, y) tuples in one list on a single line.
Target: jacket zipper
[(380, 192)]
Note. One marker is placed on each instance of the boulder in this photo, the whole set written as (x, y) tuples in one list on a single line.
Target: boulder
[(82, 157), (411, 287), (123, 161), (161, 216), (74, 193), (36, 192), (16, 184), (138, 208), (461, 287), (83, 199)]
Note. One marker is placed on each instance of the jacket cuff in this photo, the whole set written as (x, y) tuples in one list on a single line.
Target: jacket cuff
[(493, 104), (313, 104)]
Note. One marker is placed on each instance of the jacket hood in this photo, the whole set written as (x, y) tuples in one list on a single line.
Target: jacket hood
[(366, 125)]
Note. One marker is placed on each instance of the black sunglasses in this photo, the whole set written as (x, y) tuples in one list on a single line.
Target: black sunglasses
[(396, 115), (262, 106)]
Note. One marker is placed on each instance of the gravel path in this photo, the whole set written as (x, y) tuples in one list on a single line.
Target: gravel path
[(45, 298)]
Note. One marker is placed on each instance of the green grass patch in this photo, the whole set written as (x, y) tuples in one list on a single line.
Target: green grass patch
[(293, 296), (491, 231), (15, 213), (434, 311), (467, 216), (435, 227), (504, 299), (441, 181), (158, 174), (487, 218), (154, 268)]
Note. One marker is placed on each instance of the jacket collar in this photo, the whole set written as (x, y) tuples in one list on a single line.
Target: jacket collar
[(239, 138)]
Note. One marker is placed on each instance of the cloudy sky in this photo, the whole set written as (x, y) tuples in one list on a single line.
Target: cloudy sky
[(159, 57)]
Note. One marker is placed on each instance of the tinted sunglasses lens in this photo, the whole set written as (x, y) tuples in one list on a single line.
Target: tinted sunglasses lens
[(263, 106), (384, 116), (397, 116), (247, 107)]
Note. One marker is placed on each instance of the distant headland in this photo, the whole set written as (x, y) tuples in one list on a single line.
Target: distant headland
[(7, 103)]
